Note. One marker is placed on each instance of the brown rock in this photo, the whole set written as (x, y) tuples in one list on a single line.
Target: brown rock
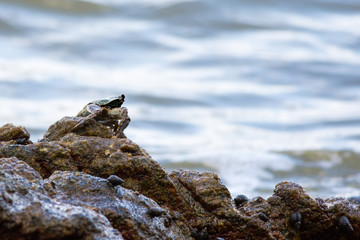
[(44, 157), (66, 124), (155, 205), (104, 157), (101, 157), (318, 218), (213, 213), (18, 135)]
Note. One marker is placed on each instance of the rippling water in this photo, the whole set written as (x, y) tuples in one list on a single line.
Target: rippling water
[(257, 91)]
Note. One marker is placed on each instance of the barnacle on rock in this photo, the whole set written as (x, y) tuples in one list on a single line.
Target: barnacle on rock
[(263, 217), (240, 199), (115, 180), (295, 220), (155, 212), (202, 235), (345, 225)]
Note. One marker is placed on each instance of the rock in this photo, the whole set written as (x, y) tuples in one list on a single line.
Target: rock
[(76, 201), (354, 199), (44, 157), (213, 213), (65, 125), (101, 157), (17, 135), (125, 209), (27, 212), (319, 218), (119, 156)]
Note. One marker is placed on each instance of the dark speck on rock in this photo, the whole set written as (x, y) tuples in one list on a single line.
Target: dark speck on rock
[(263, 217), (167, 222), (240, 199), (115, 180), (295, 220), (345, 225), (155, 212), (202, 235)]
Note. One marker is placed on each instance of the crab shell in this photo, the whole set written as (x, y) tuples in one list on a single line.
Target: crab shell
[(109, 102)]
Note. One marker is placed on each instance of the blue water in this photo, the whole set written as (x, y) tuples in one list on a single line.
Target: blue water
[(257, 91)]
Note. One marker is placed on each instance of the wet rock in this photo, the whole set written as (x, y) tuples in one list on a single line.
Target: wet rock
[(127, 210), (27, 212), (17, 135)]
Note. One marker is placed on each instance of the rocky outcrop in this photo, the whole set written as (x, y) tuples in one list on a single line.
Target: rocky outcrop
[(64, 126), (64, 189), (17, 135), (292, 214), (27, 211)]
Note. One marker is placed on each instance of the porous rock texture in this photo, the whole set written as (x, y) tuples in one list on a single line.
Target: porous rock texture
[(27, 211), (76, 200), (18, 135)]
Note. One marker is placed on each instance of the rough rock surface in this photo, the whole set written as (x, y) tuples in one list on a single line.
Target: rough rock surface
[(320, 218), (98, 156), (27, 212), (150, 204), (64, 126), (212, 209), (17, 135), (44, 157), (126, 210)]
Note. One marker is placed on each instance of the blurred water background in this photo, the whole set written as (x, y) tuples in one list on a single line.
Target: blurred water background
[(258, 91)]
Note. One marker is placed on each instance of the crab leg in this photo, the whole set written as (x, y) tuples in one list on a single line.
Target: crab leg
[(124, 122), (94, 109)]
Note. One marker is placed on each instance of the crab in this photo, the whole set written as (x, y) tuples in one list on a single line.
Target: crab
[(108, 112)]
